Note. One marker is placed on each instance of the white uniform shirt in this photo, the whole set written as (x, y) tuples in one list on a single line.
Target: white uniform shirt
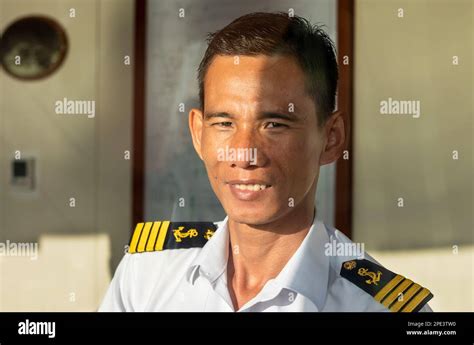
[(195, 279)]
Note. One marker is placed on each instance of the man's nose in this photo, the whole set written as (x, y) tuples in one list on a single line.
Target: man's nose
[(247, 149)]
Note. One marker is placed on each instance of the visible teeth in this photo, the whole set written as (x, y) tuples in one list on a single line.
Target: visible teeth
[(254, 187)]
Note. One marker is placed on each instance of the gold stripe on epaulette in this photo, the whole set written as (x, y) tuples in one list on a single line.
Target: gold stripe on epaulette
[(150, 245), (416, 301), (394, 294), (144, 237), (388, 287), (162, 235), (405, 298), (135, 237)]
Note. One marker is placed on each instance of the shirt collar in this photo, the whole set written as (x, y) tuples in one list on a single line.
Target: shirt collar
[(211, 261), (306, 273)]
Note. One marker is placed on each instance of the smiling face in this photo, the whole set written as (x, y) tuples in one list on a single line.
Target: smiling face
[(261, 105)]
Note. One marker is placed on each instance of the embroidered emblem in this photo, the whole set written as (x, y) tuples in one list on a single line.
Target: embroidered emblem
[(179, 235), (208, 234), (374, 278), (349, 265)]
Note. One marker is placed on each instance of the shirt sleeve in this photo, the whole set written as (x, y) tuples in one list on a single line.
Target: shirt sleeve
[(426, 309), (117, 297)]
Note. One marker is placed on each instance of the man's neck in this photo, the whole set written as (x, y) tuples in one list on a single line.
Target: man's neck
[(259, 253)]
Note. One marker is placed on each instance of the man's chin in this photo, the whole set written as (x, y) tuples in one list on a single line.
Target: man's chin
[(253, 217)]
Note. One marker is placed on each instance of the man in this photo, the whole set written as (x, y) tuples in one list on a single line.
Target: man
[(267, 91)]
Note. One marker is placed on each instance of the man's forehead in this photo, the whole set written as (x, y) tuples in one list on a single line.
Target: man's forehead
[(261, 82), (258, 107), (260, 62)]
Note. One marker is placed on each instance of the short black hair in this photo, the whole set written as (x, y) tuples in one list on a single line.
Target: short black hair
[(279, 33)]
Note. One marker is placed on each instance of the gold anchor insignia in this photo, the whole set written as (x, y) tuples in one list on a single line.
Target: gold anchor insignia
[(208, 234), (349, 265), (178, 235), (374, 277)]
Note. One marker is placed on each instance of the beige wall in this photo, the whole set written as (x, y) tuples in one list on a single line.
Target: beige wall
[(448, 277), (76, 156), (398, 156)]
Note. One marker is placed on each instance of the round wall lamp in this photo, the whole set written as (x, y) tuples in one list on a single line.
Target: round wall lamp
[(33, 47)]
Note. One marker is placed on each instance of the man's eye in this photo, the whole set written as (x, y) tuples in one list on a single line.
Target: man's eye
[(223, 124), (274, 125)]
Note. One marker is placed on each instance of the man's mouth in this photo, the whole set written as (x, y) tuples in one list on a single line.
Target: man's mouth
[(254, 187), (248, 190)]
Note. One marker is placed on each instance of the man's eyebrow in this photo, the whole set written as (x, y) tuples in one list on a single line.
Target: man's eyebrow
[(208, 116), (262, 115), (278, 115)]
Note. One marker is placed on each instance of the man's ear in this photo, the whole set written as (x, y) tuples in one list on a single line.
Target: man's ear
[(195, 127), (335, 138)]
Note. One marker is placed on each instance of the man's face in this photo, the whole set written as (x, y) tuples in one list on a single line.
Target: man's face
[(259, 104)]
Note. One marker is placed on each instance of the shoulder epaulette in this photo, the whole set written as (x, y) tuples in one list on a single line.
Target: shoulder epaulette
[(395, 292), (160, 235)]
